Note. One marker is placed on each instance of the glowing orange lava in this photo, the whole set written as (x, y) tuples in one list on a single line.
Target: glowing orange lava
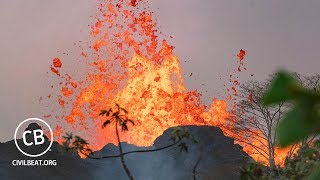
[(130, 63)]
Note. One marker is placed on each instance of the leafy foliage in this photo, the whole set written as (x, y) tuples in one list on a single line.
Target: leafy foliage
[(302, 121), (253, 170), (74, 144), (284, 88), (119, 115), (178, 135), (300, 166)]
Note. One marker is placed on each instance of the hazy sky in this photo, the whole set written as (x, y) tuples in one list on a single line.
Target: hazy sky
[(207, 33)]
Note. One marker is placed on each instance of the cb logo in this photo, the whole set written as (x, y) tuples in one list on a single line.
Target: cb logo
[(36, 137), (34, 143)]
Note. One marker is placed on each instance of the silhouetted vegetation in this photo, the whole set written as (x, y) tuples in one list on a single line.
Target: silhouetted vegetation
[(119, 118), (256, 120), (299, 123)]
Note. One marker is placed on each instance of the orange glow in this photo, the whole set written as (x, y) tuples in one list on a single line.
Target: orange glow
[(57, 63), (129, 64), (241, 54)]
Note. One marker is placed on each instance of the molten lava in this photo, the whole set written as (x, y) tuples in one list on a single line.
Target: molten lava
[(128, 63)]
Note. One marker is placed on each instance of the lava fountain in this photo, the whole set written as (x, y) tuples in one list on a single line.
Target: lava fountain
[(129, 62)]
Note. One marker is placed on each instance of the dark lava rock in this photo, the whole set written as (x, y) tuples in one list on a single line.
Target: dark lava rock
[(217, 156)]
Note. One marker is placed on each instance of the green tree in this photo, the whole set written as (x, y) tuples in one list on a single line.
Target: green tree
[(302, 120), (257, 122)]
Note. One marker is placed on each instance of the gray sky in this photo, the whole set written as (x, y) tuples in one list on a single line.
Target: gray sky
[(207, 33)]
